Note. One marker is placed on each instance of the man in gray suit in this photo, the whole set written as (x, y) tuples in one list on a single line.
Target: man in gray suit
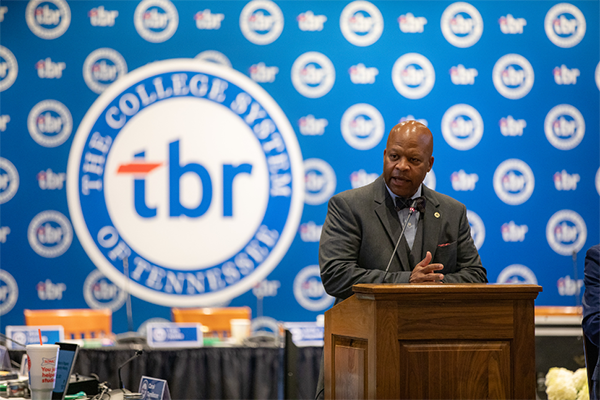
[(363, 226)]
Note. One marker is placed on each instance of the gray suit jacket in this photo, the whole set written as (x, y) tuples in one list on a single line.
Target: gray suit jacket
[(361, 230)]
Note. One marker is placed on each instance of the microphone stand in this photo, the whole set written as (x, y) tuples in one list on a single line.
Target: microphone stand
[(411, 212), (136, 355)]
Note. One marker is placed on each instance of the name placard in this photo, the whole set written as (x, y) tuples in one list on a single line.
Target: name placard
[(163, 334), (29, 335), (154, 389)]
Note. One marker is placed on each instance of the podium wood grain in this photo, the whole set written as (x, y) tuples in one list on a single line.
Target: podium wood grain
[(463, 341)]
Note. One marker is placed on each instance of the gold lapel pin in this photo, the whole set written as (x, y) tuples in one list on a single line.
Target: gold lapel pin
[(436, 214)]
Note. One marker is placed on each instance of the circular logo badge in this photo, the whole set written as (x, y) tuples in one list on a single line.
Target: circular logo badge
[(261, 22), (48, 19), (598, 76), (361, 23), (309, 291), (513, 182), (99, 292), (50, 123), (156, 20), (462, 127), (564, 127), (9, 292), (320, 181), (462, 25), (517, 274), (9, 180), (513, 76), (102, 67), (193, 172), (214, 56), (313, 74), (50, 234), (12, 68), (413, 76), (566, 232), (362, 126), (477, 228), (565, 25)]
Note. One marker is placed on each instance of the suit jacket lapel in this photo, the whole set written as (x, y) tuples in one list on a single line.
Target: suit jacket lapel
[(385, 210), (432, 222)]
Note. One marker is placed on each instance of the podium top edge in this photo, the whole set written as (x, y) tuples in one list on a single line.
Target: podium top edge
[(421, 288)]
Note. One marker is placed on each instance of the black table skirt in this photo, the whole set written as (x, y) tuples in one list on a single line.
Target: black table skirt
[(204, 373)]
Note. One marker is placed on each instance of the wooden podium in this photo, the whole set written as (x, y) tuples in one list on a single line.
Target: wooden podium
[(432, 341)]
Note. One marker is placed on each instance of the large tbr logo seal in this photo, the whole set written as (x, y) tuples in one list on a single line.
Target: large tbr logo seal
[(565, 25), (513, 76), (309, 291), (102, 67), (313, 74), (9, 69), (48, 19), (477, 228), (566, 232), (517, 274), (99, 292), (193, 172), (261, 22), (462, 127), (156, 20), (413, 76), (361, 23), (514, 182), (320, 181), (564, 127), (50, 123), (362, 126), (9, 180), (50, 234), (462, 25), (9, 292)]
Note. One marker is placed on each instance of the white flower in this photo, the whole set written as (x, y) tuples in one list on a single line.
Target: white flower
[(557, 373), (561, 389), (580, 378), (584, 393)]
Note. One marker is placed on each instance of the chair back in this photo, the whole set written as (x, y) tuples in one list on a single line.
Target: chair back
[(214, 320), (77, 323)]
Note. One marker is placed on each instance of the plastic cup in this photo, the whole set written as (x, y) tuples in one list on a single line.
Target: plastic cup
[(240, 329), (41, 362)]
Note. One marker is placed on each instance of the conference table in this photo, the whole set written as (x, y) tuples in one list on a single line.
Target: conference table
[(205, 372)]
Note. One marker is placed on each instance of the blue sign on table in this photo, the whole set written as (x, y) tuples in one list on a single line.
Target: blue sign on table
[(154, 389), (29, 335), (161, 334)]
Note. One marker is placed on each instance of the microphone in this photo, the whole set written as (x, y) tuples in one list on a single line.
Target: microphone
[(136, 355), (417, 204)]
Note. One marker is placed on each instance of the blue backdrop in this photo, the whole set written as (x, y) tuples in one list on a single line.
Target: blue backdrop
[(510, 91)]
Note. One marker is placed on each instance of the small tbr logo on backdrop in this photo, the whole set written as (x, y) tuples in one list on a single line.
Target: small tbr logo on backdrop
[(512, 232), (156, 20), (510, 25), (362, 126), (206, 20), (513, 76), (9, 180), (206, 208), (320, 181), (517, 274), (101, 17), (361, 23), (513, 182), (413, 76), (3, 10), (512, 127), (4, 232), (566, 232), (48, 19), (50, 234), (4, 120), (47, 69), (48, 290), (565, 76), (9, 292), (410, 24), (564, 127), (461, 181), (462, 25), (313, 74), (310, 232), (50, 180), (99, 292), (360, 74), (308, 21), (50, 123), (361, 178), (564, 181), (102, 67), (462, 127), (9, 69), (261, 22), (309, 291), (263, 74), (311, 126), (477, 228), (460, 75), (565, 25)]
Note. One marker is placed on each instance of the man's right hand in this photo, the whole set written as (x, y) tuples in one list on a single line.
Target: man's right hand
[(425, 272)]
